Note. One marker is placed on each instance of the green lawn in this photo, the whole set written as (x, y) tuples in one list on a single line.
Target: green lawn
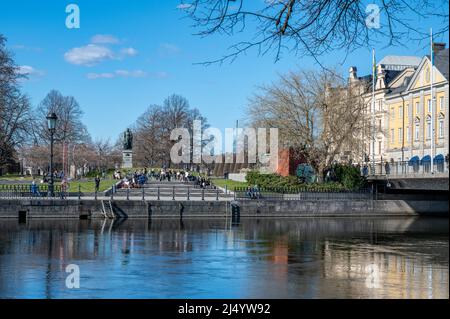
[(89, 186), (227, 182), (13, 178)]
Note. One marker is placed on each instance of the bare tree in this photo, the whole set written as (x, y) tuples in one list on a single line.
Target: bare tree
[(15, 109), (153, 129), (315, 112), (105, 154), (312, 28), (69, 128)]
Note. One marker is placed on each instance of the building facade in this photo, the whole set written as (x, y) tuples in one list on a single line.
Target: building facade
[(405, 118), (416, 122)]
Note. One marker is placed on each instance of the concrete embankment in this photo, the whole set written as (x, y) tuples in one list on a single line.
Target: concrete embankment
[(86, 208)]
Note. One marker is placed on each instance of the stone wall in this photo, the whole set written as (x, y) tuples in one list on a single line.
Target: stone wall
[(247, 208)]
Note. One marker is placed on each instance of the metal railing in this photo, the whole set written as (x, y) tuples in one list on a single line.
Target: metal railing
[(405, 169), (28, 191), (277, 193)]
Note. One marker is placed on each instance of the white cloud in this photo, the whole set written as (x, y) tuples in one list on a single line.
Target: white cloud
[(133, 74), (117, 73), (104, 39), (129, 51), (184, 6), (161, 75), (168, 49), (88, 55), (29, 71)]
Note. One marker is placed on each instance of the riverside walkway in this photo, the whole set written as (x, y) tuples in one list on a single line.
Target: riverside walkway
[(152, 190)]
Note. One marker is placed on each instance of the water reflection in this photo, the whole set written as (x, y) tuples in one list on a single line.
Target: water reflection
[(287, 258)]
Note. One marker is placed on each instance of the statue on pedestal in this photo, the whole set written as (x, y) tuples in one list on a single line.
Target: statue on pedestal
[(127, 140), (127, 153)]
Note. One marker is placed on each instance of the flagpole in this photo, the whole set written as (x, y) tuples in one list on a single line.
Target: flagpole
[(373, 110), (432, 102)]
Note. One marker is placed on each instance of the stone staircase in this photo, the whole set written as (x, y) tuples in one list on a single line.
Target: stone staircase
[(173, 189)]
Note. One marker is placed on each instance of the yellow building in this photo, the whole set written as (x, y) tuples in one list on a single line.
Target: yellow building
[(414, 119), (403, 110)]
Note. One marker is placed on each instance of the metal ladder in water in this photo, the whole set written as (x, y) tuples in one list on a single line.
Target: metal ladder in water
[(108, 213)]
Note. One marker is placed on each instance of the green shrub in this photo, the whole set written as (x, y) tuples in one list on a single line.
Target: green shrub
[(349, 176)]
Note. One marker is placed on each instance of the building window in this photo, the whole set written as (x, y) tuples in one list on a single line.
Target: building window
[(400, 134), (429, 106), (400, 111), (407, 110), (441, 103), (379, 125), (392, 113), (441, 128), (428, 130), (408, 137), (417, 108), (417, 132), (392, 136), (379, 148)]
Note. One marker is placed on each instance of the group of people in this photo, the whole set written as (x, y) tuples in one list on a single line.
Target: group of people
[(135, 180), (253, 192), (35, 190), (203, 182), (169, 175)]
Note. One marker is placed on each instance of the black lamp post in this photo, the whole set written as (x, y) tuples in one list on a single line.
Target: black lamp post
[(51, 125)]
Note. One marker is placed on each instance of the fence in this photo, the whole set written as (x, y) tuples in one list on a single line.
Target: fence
[(302, 194), (27, 191), (406, 168)]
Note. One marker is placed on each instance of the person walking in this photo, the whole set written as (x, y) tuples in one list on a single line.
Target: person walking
[(387, 168), (35, 189), (365, 170), (97, 183), (64, 188)]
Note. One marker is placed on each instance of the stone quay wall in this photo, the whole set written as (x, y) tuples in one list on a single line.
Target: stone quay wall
[(85, 208)]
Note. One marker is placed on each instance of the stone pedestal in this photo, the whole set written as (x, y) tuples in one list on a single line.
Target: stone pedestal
[(127, 159)]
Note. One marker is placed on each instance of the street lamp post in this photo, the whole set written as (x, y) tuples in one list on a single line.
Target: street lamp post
[(51, 125)]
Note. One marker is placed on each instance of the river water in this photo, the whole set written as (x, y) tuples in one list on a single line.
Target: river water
[(265, 258)]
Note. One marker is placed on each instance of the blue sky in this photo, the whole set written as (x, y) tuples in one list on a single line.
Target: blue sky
[(141, 52)]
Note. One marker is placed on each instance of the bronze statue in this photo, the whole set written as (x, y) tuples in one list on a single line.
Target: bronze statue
[(127, 140)]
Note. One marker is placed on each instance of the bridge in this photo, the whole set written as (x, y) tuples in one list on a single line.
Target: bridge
[(411, 175)]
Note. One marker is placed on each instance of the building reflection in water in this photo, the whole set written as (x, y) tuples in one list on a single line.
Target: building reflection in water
[(301, 258)]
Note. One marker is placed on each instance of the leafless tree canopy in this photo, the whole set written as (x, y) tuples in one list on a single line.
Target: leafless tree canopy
[(70, 128), (315, 112), (152, 129), (313, 27)]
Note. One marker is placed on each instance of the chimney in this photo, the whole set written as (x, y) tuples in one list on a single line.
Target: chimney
[(438, 46), (353, 74)]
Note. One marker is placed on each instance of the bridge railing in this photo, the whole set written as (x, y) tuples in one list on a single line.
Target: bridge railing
[(407, 169)]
